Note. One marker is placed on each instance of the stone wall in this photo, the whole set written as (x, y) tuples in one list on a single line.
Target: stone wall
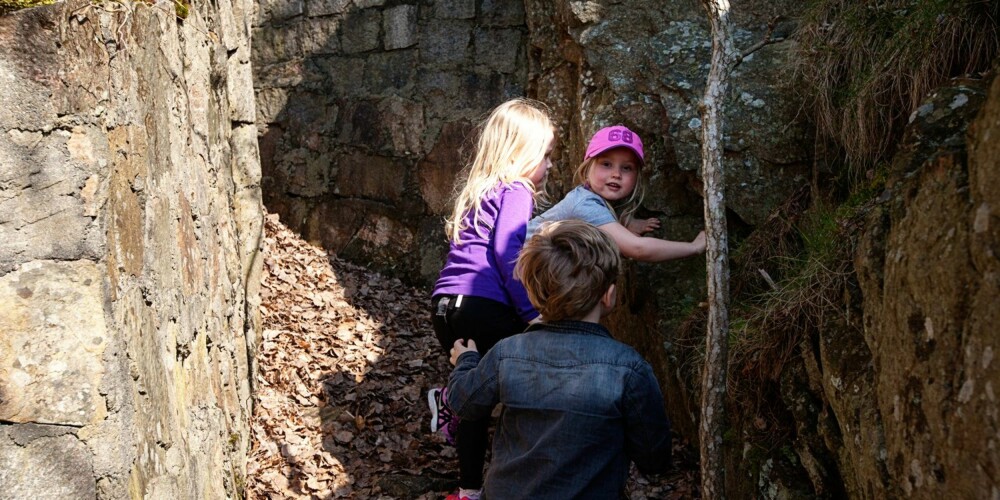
[(130, 218), (364, 107), (891, 394), (930, 278)]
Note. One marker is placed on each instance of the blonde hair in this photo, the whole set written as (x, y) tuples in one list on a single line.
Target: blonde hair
[(513, 140), (566, 268), (623, 210)]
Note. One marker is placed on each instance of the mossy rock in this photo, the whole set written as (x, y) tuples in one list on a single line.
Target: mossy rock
[(8, 6)]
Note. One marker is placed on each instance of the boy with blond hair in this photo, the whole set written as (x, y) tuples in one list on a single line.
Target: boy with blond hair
[(577, 404)]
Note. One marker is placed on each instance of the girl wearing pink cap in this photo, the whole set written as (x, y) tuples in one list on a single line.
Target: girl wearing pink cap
[(610, 192)]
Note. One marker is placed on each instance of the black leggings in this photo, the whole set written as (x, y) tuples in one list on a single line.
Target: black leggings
[(486, 322)]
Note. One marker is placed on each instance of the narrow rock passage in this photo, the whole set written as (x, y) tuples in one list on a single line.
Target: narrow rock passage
[(346, 359)]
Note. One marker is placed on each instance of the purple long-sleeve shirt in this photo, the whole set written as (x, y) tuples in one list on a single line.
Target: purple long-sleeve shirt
[(482, 265)]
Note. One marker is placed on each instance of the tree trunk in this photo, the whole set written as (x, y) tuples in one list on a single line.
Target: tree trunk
[(713, 380)]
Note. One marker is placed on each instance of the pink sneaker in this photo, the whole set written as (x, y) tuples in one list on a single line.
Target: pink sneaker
[(442, 419)]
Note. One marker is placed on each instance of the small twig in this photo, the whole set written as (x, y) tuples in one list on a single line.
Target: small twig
[(767, 278), (80, 13), (761, 44)]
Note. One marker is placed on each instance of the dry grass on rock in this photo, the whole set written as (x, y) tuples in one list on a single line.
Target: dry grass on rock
[(868, 64)]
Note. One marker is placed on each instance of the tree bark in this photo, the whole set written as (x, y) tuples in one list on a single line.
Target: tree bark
[(713, 380)]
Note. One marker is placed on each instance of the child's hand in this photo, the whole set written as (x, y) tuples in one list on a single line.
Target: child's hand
[(460, 347), (643, 226), (699, 243)]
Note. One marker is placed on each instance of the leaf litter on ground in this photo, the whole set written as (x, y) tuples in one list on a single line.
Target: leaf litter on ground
[(345, 359)]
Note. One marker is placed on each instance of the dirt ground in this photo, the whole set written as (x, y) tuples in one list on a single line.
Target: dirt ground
[(346, 360)]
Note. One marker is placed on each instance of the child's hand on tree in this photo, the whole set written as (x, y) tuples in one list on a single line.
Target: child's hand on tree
[(699, 243), (643, 226), (460, 347)]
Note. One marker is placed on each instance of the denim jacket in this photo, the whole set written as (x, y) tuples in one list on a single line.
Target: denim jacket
[(577, 407)]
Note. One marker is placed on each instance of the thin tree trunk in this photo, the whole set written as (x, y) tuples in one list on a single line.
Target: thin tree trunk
[(713, 380)]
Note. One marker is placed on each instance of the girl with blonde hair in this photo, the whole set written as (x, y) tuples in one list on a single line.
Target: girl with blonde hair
[(477, 296), (609, 193)]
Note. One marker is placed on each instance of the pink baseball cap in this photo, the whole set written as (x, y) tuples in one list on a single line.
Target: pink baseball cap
[(615, 137)]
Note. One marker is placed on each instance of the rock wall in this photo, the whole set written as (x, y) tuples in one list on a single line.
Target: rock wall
[(930, 277), (130, 218), (891, 395)]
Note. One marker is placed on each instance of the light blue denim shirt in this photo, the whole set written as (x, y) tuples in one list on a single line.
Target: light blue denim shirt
[(580, 203), (577, 407)]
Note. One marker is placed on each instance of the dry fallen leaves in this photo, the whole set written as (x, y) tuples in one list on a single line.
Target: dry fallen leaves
[(345, 358)]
